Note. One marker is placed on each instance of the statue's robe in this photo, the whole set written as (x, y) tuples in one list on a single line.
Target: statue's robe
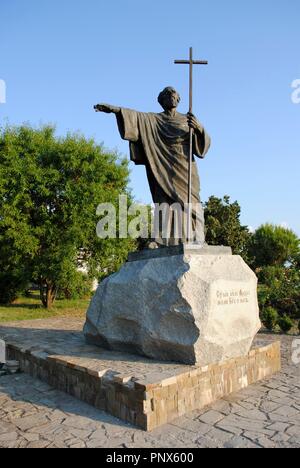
[(161, 143)]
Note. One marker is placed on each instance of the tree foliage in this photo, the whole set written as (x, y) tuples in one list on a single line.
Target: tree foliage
[(269, 318), (223, 225), (285, 323), (49, 190), (273, 245), (280, 288)]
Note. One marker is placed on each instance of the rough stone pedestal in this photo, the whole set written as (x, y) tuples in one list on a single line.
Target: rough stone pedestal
[(194, 306)]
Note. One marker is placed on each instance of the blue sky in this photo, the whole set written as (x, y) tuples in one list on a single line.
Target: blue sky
[(60, 57)]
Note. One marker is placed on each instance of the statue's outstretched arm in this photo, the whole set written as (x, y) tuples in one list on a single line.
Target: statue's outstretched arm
[(107, 108)]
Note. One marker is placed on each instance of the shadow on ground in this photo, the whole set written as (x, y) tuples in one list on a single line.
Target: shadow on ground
[(22, 388)]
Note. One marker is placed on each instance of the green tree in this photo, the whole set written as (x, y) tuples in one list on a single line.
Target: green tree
[(49, 190), (273, 245), (223, 226)]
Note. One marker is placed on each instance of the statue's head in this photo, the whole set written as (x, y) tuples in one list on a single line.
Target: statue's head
[(169, 98)]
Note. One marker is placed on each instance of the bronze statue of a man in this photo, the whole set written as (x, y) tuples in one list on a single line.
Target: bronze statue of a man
[(160, 142)]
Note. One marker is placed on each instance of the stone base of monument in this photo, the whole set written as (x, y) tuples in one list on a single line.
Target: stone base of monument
[(185, 304), (144, 392), (164, 309)]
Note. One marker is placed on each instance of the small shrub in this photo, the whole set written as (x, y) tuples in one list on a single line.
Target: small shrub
[(299, 327), (279, 287), (285, 324), (269, 318), (263, 296), (10, 287)]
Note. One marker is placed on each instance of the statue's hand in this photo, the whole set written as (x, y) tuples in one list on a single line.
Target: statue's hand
[(103, 108), (107, 108), (193, 122)]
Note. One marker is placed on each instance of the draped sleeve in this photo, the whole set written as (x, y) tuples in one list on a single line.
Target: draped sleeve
[(201, 143), (127, 120)]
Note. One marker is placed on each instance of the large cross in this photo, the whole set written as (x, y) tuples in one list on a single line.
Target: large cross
[(190, 62)]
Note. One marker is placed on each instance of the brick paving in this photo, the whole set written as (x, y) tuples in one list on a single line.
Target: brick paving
[(267, 414), (142, 391)]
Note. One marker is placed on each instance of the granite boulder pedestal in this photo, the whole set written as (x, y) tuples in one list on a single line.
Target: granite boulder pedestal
[(186, 304)]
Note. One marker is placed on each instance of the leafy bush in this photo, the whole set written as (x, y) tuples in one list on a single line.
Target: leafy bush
[(78, 287), (269, 318), (13, 279), (285, 324), (14, 271), (9, 289), (279, 287), (263, 294)]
